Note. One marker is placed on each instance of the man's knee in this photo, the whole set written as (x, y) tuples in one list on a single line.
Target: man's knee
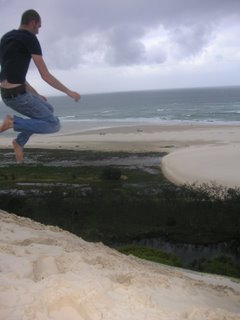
[(57, 125), (53, 124)]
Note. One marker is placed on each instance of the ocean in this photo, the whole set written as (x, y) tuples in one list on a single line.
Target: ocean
[(218, 105)]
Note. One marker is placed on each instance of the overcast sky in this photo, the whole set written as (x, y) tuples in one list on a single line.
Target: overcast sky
[(117, 45)]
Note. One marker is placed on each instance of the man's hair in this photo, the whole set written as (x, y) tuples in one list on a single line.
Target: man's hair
[(29, 16)]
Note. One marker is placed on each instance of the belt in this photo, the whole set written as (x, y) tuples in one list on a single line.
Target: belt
[(13, 92)]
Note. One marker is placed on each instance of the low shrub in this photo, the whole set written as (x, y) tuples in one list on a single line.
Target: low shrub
[(151, 254)]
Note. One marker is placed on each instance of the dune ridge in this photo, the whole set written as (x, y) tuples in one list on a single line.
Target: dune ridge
[(47, 273)]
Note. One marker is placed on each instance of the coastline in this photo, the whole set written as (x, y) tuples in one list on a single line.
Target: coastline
[(141, 137), (197, 153)]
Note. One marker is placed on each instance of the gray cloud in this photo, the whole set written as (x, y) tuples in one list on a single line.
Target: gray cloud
[(125, 47), (189, 41), (122, 25), (109, 32)]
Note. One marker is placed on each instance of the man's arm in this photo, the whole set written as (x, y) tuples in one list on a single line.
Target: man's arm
[(51, 80)]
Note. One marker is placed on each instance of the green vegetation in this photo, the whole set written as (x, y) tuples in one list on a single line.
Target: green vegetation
[(221, 265), (152, 255), (88, 194)]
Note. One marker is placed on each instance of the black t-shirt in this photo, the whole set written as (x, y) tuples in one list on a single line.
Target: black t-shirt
[(16, 48)]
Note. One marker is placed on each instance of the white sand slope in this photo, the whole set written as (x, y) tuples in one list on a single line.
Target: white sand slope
[(219, 164), (46, 273)]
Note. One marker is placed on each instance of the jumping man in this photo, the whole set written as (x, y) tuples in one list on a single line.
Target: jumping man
[(17, 48)]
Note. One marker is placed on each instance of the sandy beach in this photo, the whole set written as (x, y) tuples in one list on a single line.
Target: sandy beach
[(196, 153), (47, 273)]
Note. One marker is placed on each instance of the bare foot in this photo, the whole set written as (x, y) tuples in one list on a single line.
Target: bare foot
[(18, 151), (7, 123)]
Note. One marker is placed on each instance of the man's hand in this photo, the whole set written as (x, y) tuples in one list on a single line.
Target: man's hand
[(74, 95)]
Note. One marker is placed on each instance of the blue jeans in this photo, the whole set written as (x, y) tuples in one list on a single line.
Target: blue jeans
[(40, 116)]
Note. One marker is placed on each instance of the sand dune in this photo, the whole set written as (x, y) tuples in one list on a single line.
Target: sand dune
[(218, 164), (47, 273)]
